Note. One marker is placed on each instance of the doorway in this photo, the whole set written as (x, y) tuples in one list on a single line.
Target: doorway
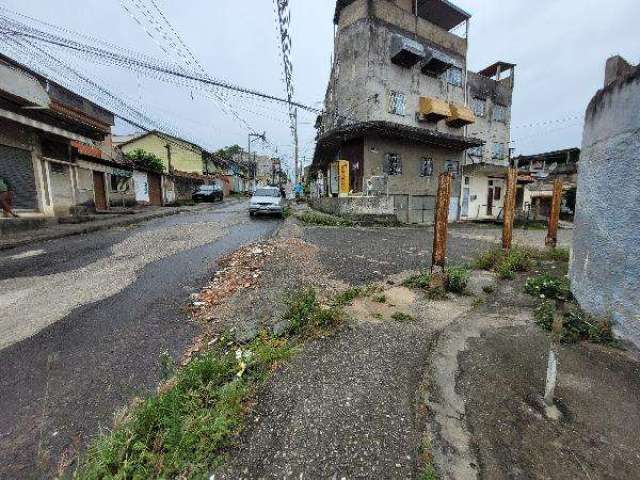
[(99, 191)]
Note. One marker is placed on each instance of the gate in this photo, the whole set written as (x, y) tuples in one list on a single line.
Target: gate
[(17, 166)]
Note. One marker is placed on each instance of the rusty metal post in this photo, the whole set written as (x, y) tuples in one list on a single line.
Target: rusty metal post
[(438, 259), (554, 216), (509, 208)]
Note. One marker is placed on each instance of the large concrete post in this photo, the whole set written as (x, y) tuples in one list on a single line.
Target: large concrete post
[(509, 208), (554, 216), (438, 259)]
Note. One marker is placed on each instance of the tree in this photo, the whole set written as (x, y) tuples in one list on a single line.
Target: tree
[(228, 152), (146, 160)]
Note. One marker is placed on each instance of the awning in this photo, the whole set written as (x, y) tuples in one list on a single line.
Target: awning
[(43, 126), (331, 141), (436, 63), (460, 116), (433, 109), (406, 52)]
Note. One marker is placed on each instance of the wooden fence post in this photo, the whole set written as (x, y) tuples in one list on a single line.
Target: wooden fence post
[(509, 209), (554, 216), (438, 260)]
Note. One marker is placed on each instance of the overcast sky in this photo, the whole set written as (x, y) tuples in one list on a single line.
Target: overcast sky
[(559, 46)]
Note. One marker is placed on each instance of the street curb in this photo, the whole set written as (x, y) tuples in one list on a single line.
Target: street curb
[(96, 228)]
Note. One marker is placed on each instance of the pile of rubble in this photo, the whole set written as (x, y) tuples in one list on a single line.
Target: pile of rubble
[(239, 270)]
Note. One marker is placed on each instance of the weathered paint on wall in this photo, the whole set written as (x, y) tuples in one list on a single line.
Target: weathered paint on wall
[(183, 158), (605, 266)]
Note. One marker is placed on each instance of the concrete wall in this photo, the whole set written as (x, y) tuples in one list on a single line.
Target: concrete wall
[(605, 266), (378, 209), (411, 154), (183, 159)]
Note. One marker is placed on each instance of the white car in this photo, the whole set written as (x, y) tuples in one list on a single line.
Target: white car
[(267, 200)]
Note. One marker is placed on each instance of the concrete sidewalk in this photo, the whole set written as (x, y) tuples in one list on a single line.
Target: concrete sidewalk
[(52, 231)]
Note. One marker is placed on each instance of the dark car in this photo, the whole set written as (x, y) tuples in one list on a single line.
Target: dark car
[(208, 193)]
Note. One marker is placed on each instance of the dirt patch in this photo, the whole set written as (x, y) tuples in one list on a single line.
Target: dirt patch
[(598, 391)]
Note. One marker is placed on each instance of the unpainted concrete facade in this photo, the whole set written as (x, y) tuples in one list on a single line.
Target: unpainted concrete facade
[(364, 81), (605, 265)]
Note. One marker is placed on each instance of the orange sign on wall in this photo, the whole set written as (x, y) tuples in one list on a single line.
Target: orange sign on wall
[(343, 177)]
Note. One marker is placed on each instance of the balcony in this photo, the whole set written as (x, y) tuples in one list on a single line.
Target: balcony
[(433, 109), (460, 116)]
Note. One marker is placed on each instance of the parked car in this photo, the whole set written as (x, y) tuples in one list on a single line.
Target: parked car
[(208, 193), (267, 200)]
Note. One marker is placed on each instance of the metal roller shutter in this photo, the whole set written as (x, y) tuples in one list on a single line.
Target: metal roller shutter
[(16, 165)]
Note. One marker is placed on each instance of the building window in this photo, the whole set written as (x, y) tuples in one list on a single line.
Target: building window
[(497, 193), (453, 167), (498, 151), (396, 103), (392, 164), (426, 167), (499, 113), (119, 184), (479, 106), (454, 76), (475, 152), (467, 180)]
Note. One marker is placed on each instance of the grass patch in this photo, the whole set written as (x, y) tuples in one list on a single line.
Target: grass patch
[(577, 325), (305, 314), (548, 286), (457, 279), (380, 299), (348, 296), (402, 317), (519, 259), (181, 432), (422, 280), (429, 473), (323, 219)]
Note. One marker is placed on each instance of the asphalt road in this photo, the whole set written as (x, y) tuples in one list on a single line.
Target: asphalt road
[(84, 320)]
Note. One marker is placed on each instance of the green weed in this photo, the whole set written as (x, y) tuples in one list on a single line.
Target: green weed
[(402, 317), (422, 280), (457, 279), (305, 314), (181, 432), (548, 286), (323, 219)]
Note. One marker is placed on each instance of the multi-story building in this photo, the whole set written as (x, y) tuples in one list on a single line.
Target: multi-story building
[(400, 106), (56, 148)]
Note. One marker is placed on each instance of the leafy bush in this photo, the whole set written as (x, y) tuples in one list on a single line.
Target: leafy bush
[(457, 279), (488, 260), (437, 293), (146, 160), (348, 296), (380, 299), (548, 286), (545, 315), (576, 325)]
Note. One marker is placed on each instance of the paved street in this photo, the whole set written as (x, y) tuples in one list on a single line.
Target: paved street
[(84, 320)]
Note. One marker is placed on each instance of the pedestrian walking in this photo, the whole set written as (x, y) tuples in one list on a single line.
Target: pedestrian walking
[(6, 197)]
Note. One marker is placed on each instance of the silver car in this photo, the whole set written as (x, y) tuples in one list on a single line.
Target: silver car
[(267, 200)]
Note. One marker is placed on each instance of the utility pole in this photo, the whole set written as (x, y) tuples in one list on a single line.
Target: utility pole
[(509, 208), (438, 261), (554, 216), (295, 140), (252, 137)]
